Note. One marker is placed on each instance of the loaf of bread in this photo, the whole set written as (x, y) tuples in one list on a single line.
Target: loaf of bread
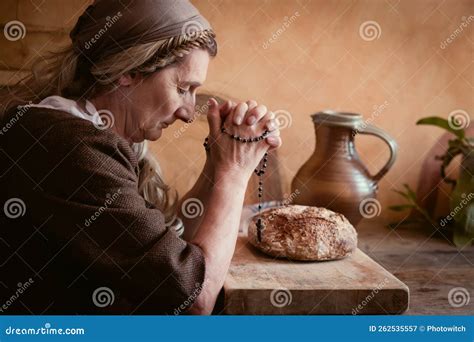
[(303, 233)]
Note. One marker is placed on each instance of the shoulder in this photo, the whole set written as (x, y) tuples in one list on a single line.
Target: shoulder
[(62, 134)]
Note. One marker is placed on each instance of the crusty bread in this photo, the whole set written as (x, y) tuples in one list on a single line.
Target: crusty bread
[(304, 233)]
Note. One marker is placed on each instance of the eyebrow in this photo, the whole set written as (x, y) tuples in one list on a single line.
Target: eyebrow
[(191, 83)]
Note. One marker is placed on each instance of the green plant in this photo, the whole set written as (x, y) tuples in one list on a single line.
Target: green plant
[(412, 204), (461, 217)]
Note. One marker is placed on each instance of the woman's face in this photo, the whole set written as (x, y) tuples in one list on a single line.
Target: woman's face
[(154, 102)]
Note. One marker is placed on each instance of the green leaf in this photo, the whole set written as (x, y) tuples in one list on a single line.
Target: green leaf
[(442, 123), (401, 193), (462, 239), (401, 207), (411, 194)]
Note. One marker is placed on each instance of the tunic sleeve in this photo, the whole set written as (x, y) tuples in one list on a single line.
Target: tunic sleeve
[(85, 187)]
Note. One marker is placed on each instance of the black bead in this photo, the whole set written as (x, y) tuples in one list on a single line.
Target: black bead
[(259, 195), (264, 165)]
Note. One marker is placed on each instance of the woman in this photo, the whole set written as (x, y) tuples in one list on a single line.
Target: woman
[(85, 205)]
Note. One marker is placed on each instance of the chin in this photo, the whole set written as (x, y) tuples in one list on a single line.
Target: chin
[(153, 135)]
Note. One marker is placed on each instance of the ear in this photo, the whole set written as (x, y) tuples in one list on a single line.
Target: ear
[(128, 79)]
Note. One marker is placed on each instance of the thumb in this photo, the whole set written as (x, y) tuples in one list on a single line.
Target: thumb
[(213, 116)]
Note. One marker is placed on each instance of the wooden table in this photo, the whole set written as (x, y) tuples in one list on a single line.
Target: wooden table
[(429, 265), (423, 260)]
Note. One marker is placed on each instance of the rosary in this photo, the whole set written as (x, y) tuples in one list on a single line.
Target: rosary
[(258, 171)]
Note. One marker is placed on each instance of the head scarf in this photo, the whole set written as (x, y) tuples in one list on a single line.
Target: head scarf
[(110, 26)]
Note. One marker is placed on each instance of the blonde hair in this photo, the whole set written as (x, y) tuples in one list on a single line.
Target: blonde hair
[(69, 74)]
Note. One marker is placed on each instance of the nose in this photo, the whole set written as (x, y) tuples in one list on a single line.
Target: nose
[(185, 113)]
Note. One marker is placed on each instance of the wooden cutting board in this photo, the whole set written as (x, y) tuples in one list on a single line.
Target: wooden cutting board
[(261, 285)]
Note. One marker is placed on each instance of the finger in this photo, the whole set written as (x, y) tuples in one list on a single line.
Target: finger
[(239, 113), (255, 114), (251, 104), (275, 133), (213, 116), (271, 125), (274, 142), (226, 108)]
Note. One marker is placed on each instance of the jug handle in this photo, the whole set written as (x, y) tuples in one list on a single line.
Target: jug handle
[(372, 130)]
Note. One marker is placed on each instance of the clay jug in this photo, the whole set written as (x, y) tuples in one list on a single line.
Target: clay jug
[(334, 177)]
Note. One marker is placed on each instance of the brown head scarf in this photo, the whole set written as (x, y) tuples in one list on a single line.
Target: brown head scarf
[(110, 26)]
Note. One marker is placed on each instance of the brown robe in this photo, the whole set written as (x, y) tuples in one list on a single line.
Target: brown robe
[(84, 225)]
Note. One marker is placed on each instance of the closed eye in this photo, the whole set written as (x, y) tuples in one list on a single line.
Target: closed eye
[(182, 91)]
